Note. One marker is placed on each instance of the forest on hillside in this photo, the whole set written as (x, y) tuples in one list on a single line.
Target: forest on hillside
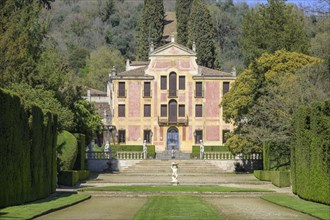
[(52, 50)]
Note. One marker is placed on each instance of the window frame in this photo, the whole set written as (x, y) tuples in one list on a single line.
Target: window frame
[(197, 115), (163, 82), (145, 112), (121, 136), (121, 113)]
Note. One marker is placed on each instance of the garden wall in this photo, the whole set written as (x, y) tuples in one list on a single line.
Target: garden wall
[(27, 150), (310, 152)]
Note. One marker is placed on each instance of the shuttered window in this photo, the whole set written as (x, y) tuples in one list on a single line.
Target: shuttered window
[(147, 110), (225, 87), (163, 110), (146, 90), (182, 82), (163, 82), (121, 89), (198, 136), (121, 110), (182, 111), (198, 111), (199, 89), (121, 136)]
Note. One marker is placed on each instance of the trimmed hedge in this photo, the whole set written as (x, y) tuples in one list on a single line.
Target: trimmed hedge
[(67, 149), (280, 178), (310, 152), (150, 149), (264, 175), (72, 177), (68, 177), (28, 137), (80, 160), (213, 148)]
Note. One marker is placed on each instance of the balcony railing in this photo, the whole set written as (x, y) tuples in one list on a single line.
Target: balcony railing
[(229, 156), (164, 121), (147, 93)]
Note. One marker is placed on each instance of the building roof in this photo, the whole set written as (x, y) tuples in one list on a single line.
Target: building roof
[(204, 71), (95, 92), (134, 72), (139, 63)]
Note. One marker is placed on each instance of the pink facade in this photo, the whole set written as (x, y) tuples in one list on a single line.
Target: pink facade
[(212, 133), (212, 97), (134, 132), (133, 100)]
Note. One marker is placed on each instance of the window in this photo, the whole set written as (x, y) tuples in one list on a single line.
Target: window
[(121, 89), (121, 110), (225, 87), (163, 82), (147, 110), (163, 111), (147, 136), (198, 111), (182, 82), (198, 136), (121, 136), (146, 89), (199, 89), (224, 132), (182, 111)]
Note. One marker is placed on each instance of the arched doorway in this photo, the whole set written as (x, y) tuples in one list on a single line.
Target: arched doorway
[(172, 138), (172, 111), (172, 85)]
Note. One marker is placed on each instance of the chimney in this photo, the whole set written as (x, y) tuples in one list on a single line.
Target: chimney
[(114, 71), (233, 71), (152, 48), (194, 46)]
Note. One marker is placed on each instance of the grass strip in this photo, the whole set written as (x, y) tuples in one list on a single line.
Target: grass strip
[(174, 189), (40, 207), (176, 207), (311, 208)]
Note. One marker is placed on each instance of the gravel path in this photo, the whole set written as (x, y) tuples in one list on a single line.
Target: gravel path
[(253, 208)]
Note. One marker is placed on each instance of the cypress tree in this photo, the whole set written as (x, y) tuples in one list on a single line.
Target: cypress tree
[(200, 31), (150, 28), (182, 15)]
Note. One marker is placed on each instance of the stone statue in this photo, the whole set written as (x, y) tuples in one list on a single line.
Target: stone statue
[(201, 150), (174, 168), (145, 149), (107, 150), (172, 153)]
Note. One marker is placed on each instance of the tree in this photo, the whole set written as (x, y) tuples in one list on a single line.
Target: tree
[(200, 31), (150, 28), (100, 64), (262, 100), (272, 27), (182, 15)]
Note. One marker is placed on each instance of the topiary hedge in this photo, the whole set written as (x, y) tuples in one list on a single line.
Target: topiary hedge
[(264, 175), (281, 178), (67, 149), (28, 167), (72, 177), (310, 152)]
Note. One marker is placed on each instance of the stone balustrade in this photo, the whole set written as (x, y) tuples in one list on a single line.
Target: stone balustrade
[(98, 155), (129, 155), (230, 156)]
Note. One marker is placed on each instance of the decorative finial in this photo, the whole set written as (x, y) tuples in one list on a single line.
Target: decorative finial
[(172, 38), (114, 71), (151, 49), (194, 46), (233, 71)]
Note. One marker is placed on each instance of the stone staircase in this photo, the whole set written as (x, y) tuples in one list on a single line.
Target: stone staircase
[(167, 155), (158, 172)]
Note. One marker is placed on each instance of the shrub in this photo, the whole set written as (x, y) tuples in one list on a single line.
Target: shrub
[(213, 148), (68, 177), (264, 175), (83, 174), (310, 152), (67, 149), (280, 178)]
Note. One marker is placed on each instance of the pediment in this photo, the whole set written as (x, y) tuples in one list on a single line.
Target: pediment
[(172, 49)]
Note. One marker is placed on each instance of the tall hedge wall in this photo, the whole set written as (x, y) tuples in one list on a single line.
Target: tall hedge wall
[(27, 150), (80, 161), (67, 150), (310, 152)]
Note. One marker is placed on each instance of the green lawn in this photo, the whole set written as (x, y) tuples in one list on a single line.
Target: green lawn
[(174, 189), (176, 207), (311, 208), (43, 206)]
